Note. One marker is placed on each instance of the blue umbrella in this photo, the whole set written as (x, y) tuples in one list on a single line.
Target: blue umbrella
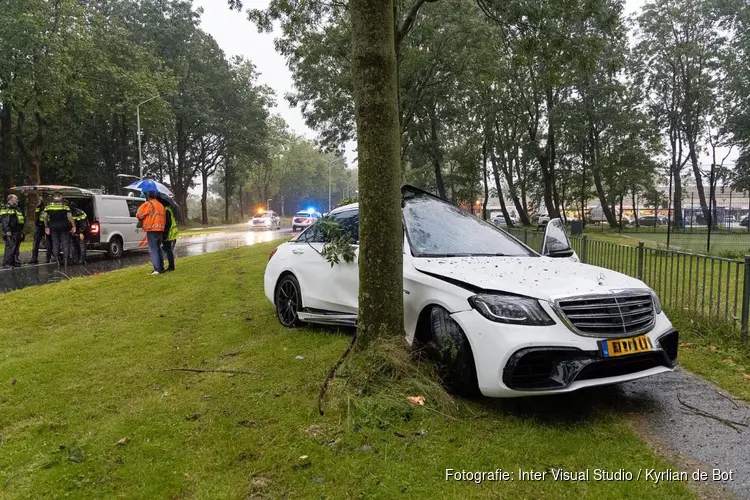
[(146, 185)]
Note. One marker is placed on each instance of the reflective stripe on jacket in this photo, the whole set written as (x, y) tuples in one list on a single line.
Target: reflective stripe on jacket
[(172, 232), (152, 215), (57, 215), (81, 220), (39, 216), (12, 219)]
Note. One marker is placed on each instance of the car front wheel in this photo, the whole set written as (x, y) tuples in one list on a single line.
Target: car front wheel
[(288, 300), (450, 348)]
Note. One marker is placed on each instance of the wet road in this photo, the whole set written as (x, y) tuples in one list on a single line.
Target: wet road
[(40, 274)]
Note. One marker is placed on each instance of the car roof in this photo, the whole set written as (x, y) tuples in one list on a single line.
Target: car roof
[(345, 208), (51, 188)]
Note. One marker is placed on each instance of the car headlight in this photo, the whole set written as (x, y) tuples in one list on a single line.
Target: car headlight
[(511, 309), (657, 302)]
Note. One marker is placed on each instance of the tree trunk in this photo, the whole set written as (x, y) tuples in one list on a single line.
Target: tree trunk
[(435, 154), (603, 202), (499, 187), (381, 279), (699, 186), (635, 207), (204, 198), (227, 170), (484, 178), (6, 147), (242, 206)]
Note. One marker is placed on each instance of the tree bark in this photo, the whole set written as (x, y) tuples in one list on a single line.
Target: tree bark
[(381, 305)]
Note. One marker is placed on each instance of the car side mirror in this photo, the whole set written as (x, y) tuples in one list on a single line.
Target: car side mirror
[(555, 242)]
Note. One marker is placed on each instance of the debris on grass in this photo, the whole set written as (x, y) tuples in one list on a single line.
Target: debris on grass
[(365, 447), (76, 456), (314, 430), (299, 357), (415, 400), (123, 441), (317, 480)]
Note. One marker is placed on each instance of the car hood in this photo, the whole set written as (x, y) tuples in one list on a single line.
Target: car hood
[(539, 277)]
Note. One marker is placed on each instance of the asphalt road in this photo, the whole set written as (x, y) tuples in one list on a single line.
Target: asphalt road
[(40, 274), (692, 421)]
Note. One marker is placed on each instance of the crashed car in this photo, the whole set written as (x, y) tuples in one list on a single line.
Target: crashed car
[(498, 317)]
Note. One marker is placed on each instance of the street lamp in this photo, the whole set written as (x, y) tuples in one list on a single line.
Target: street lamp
[(138, 123)]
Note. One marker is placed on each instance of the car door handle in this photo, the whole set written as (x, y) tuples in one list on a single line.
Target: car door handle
[(298, 251)]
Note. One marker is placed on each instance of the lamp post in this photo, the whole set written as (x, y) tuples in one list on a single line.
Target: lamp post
[(138, 124), (268, 205)]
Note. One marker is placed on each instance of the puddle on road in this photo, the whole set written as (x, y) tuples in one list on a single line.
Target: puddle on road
[(14, 279)]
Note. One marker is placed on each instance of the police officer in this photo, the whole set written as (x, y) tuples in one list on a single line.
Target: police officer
[(39, 235), (59, 224), (80, 238), (12, 226), (171, 232)]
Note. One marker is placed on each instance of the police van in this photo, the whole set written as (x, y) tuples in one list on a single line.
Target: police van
[(113, 226)]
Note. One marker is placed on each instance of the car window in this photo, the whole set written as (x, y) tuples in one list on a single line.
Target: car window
[(310, 235), (133, 206), (349, 221), (302, 214), (438, 229)]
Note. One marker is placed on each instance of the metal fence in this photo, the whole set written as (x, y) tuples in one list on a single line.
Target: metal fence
[(708, 287)]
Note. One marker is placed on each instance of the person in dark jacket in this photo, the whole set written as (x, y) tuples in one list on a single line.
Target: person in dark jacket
[(39, 235), (80, 238), (59, 224), (12, 220)]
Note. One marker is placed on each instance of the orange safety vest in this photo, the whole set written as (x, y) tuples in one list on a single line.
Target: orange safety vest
[(153, 216)]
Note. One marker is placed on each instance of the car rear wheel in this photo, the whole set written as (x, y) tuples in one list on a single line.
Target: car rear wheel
[(114, 248), (288, 300), (451, 350)]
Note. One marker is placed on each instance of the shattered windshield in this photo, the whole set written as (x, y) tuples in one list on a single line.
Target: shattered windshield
[(438, 229)]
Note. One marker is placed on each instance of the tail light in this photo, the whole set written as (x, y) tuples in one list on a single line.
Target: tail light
[(273, 252), (95, 228)]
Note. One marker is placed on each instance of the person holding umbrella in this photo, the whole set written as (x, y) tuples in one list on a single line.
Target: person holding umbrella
[(152, 218)]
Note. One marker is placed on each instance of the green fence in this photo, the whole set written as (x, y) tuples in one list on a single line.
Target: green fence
[(706, 286)]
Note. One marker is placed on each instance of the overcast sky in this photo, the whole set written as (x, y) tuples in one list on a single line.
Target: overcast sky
[(238, 36)]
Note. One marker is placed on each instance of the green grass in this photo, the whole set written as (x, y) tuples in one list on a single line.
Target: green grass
[(74, 382)]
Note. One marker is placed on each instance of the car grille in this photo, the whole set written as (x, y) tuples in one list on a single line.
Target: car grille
[(615, 316)]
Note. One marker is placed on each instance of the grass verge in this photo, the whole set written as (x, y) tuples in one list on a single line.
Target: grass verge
[(87, 409), (715, 351)]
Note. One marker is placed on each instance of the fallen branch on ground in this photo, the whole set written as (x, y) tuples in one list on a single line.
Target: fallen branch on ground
[(703, 413), (198, 370), (733, 401), (332, 373)]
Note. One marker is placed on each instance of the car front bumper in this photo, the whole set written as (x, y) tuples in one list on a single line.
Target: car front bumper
[(514, 361)]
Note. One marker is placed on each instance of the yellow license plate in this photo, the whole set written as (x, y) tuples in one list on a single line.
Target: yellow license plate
[(623, 347)]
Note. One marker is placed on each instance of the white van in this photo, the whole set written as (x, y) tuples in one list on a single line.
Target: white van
[(111, 217)]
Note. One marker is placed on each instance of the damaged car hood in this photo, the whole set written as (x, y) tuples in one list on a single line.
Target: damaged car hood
[(539, 277)]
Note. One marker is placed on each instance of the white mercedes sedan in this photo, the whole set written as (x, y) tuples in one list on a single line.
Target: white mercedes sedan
[(497, 317)]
